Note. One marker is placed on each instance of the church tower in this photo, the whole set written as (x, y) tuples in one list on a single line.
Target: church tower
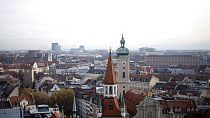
[(123, 68), (110, 104)]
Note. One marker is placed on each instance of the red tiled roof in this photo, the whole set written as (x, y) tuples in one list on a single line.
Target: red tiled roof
[(133, 98), (183, 104), (15, 100), (146, 76), (107, 112), (109, 76), (56, 115)]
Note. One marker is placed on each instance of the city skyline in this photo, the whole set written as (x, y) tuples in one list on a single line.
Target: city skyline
[(96, 24)]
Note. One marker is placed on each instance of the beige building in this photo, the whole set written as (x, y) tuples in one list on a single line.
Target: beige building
[(142, 81), (148, 108), (123, 68), (157, 108)]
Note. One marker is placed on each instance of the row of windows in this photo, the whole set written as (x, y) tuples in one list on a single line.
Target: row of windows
[(110, 90)]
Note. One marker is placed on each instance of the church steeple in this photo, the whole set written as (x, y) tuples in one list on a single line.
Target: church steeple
[(110, 104), (123, 109), (99, 107), (110, 83), (109, 76), (122, 42), (122, 50)]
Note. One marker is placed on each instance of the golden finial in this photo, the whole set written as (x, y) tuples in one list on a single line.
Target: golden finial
[(149, 94)]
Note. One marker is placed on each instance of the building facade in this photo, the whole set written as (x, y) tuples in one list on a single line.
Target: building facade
[(172, 60)]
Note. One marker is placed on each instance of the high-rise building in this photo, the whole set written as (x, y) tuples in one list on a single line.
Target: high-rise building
[(123, 68), (56, 47)]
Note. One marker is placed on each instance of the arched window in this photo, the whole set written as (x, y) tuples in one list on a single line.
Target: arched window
[(114, 89), (123, 76), (106, 89), (110, 90)]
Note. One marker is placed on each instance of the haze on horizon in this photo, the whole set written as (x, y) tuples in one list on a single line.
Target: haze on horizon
[(162, 24)]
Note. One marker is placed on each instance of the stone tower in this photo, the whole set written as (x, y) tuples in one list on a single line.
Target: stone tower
[(123, 68)]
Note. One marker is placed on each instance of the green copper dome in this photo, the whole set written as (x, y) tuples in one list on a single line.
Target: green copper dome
[(122, 50)]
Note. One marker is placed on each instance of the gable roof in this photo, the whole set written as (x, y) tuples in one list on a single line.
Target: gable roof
[(4, 104), (114, 112)]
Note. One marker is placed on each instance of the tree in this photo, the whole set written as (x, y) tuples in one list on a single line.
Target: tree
[(40, 97), (25, 91), (52, 100), (64, 97)]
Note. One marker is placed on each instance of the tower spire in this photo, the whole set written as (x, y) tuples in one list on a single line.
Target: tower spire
[(122, 42), (122, 105), (109, 76), (74, 108)]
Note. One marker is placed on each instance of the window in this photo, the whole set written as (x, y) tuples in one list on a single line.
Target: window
[(150, 114), (110, 107), (106, 89), (110, 90), (115, 90), (123, 76)]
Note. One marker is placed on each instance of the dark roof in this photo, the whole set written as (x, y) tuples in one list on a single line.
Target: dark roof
[(159, 86), (4, 104)]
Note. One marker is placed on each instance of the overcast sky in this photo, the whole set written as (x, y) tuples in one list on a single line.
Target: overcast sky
[(162, 24)]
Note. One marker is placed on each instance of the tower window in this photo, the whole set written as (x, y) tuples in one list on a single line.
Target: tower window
[(106, 89), (150, 114), (123, 76), (115, 90), (110, 90), (110, 107)]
